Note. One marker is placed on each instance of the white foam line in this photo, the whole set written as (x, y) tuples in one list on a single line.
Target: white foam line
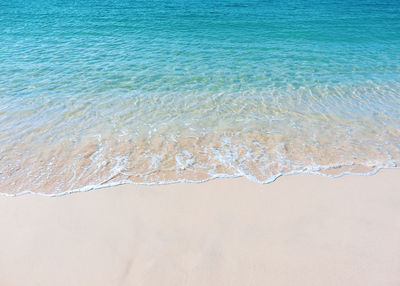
[(252, 178)]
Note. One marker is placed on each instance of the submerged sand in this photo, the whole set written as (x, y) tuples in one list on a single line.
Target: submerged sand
[(299, 230)]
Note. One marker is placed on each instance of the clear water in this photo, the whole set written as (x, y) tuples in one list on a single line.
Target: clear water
[(97, 92)]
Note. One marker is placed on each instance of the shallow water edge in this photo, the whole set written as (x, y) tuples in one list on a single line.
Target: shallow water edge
[(127, 182)]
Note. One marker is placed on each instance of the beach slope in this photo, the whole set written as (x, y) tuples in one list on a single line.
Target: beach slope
[(299, 230)]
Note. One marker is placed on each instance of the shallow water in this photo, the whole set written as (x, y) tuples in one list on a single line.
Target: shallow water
[(97, 92)]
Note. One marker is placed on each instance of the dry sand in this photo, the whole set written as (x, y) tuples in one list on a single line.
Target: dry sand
[(299, 230)]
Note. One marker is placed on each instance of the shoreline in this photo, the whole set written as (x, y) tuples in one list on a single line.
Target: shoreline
[(89, 188), (300, 230)]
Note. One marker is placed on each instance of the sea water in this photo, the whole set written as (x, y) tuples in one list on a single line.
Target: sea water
[(96, 93)]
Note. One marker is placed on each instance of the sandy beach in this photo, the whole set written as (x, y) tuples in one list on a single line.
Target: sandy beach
[(255, 105), (299, 230)]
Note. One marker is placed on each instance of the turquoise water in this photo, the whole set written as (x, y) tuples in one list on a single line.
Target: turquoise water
[(96, 93)]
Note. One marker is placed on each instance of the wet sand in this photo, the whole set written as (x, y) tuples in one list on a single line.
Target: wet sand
[(299, 230)]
